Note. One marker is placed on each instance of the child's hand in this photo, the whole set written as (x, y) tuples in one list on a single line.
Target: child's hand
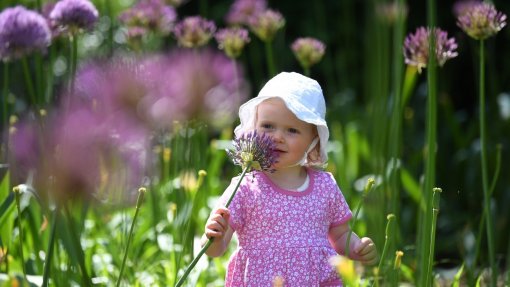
[(217, 224), (365, 251)]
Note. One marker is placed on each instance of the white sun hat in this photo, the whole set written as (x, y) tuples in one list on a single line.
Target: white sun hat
[(302, 96)]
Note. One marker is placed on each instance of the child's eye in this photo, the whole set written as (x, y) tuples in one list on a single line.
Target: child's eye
[(267, 126), (293, 131)]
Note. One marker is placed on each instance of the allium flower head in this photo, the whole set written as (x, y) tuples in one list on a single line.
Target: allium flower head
[(308, 51), (257, 150), (22, 32), (194, 31), (416, 48), (266, 24), (72, 16), (481, 21), (390, 12), (462, 6), (242, 11), (149, 15), (232, 41)]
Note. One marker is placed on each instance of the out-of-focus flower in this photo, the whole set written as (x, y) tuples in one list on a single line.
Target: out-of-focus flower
[(194, 31), (254, 150), (73, 16), (176, 3), (214, 99), (149, 15), (390, 12), (232, 41), (22, 32), (242, 11), (345, 268), (398, 259), (481, 21), (266, 24), (416, 47), (462, 6), (308, 51)]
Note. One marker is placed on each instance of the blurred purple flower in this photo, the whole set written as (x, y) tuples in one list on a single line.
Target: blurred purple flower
[(308, 51), (254, 149), (80, 154), (178, 95), (194, 31), (149, 15), (481, 21), (22, 32), (462, 6), (72, 16), (242, 11), (266, 24), (416, 48), (232, 41)]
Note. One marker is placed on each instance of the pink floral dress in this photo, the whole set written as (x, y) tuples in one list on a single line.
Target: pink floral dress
[(284, 233)]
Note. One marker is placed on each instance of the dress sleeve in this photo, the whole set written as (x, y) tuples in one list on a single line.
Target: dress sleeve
[(236, 205), (339, 211)]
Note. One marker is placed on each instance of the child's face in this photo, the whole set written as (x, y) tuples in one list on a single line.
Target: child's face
[(291, 135)]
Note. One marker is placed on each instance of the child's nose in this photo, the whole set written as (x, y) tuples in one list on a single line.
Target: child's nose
[(278, 136)]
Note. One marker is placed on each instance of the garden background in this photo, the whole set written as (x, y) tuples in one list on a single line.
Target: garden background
[(121, 106)]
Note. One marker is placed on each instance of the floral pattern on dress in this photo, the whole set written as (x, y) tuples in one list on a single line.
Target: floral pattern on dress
[(284, 233)]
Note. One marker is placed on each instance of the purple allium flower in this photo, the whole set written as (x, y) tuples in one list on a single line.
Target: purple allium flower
[(22, 32), (242, 11), (266, 24), (178, 95), (194, 31), (71, 16), (232, 41), (308, 51), (416, 47), (481, 21), (149, 15), (462, 6), (254, 150)]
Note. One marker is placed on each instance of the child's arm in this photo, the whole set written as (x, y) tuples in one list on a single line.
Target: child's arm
[(361, 249), (217, 227)]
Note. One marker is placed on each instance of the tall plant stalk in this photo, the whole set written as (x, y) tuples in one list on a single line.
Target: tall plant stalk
[(435, 211), (269, 58), (391, 218), (430, 163), (141, 193), (210, 241), (5, 92), (485, 180), (28, 81), (17, 194), (51, 245), (368, 187)]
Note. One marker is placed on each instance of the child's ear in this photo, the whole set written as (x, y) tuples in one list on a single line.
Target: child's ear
[(314, 155)]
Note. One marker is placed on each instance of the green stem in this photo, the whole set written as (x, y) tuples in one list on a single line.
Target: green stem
[(209, 242), (391, 217), (49, 254), (485, 181), (5, 96), (141, 193), (28, 81), (306, 71), (368, 187), (430, 147), (435, 199), (269, 57), (77, 248), (38, 79), (49, 76), (17, 192)]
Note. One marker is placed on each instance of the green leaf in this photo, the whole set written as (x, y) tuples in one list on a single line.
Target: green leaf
[(456, 278), (6, 211), (411, 186)]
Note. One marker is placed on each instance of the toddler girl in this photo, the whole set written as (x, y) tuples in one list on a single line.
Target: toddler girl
[(289, 222)]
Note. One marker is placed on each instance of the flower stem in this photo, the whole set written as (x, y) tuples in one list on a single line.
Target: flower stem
[(368, 187), (49, 254), (28, 81), (209, 242), (17, 193), (73, 61), (5, 95), (391, 217), (141, 193), (269, 57), (435, 210), (485, 181)]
